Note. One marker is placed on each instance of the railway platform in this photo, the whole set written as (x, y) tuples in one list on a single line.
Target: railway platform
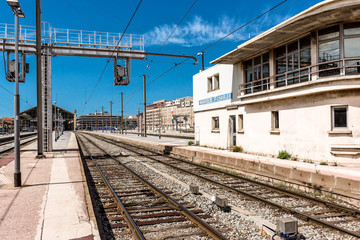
[(344, 179), (52, 202)]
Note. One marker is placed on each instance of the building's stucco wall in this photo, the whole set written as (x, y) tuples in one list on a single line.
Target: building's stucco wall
[(201, 88), (305, 123)]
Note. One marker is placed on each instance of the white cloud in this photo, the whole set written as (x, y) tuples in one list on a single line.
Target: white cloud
[(198, 31), (193, 33)]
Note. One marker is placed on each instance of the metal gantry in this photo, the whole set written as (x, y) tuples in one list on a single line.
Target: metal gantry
[(66, 42)]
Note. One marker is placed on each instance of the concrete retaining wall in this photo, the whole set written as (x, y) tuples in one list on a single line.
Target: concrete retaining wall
[(318, 176), (327, 177)]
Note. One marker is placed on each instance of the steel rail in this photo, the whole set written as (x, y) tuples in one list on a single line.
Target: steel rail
[(9, 139), (304, 216), (203, 225), (294, 194), (12, 147), (130, 221)]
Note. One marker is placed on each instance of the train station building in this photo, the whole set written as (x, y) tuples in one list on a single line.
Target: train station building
[(28, 119), (295, 87)]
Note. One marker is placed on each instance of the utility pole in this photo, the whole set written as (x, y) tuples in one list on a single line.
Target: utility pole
[(102, 118), (111, 116), (145, 105), (138, 121), (91, 122), (159, 121), (122, 114), (96, 123), (40, 142), (55, 123)]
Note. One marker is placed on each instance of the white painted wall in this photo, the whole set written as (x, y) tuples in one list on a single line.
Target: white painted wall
[(304, 125), (200, 87)]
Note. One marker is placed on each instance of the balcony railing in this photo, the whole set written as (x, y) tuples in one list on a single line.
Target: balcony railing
[(340, 67)]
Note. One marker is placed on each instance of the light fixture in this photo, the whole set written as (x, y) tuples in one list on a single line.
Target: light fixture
[(13, 3), (21, 14)]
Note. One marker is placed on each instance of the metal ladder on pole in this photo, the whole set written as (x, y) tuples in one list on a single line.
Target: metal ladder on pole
[(47, 100)]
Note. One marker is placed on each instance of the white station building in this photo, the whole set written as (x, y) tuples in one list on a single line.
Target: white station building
[(295, 87)]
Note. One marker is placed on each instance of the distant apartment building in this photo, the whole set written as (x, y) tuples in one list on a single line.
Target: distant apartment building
[(173, 115), (104, 121), (6, 125), (295, 87), (98, 121)]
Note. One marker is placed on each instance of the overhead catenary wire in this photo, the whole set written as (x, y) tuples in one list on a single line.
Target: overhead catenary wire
[(120, 19), (116, 47), (182, 19), (177, 25), (212, 44)]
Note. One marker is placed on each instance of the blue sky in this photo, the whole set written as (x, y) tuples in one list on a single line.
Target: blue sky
[(74, 78)]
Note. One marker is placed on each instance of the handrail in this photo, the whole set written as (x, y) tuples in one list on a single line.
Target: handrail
[(52, 35), (309, 72)]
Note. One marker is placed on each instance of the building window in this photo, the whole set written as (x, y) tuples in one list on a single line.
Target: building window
[(215, 123), (240, 122), (292, 62), (336, 43), (352, 47), (257, 74), (339, 117), (329, 51), (209, 81), (213, 83), (216, 82), (275, 120)]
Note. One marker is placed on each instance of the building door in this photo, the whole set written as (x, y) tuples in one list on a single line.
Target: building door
[(232, 132), (197, 135)]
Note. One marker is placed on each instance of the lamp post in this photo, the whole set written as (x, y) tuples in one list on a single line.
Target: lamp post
[(15, 6), (202, 60)]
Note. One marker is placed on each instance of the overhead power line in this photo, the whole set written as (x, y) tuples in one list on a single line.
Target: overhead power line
[(182, 19), (216, 42), (254, 19), (177, 25), (173, 32), (117, 45), (98, 6)]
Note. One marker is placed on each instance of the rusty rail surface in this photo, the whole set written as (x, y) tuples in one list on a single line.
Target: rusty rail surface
[(172, 202), (307, 216)]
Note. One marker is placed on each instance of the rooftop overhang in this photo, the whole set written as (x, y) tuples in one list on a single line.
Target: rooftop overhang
[(319, 16)]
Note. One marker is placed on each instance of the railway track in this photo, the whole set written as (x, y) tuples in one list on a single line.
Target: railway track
[(132, 207), (331, 215), (7, 145)]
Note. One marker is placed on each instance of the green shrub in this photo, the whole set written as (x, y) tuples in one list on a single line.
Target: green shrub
[(283, 154), (190, 143), (237, 149)]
